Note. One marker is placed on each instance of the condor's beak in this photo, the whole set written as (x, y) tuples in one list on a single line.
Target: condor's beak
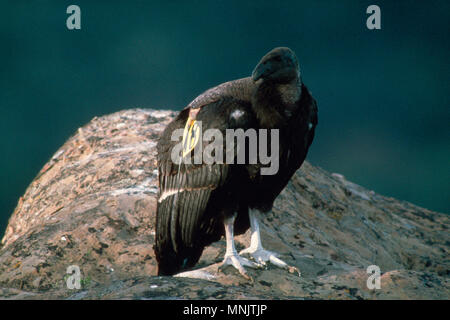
[(261, 70)]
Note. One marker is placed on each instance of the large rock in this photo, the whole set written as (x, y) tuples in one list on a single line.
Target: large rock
[(93, 205)]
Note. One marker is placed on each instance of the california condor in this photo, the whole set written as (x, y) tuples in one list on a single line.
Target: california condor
[(199, 202)]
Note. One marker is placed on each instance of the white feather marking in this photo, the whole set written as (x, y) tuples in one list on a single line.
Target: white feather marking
[(236, 114), (169, 193)]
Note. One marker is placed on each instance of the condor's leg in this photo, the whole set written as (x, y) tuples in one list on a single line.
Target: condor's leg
[(231, 255), (257, 251)]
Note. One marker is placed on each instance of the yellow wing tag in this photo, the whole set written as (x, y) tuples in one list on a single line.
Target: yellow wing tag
[(191, 136)]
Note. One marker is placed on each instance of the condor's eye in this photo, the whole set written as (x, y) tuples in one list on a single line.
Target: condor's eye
[(277, 58)]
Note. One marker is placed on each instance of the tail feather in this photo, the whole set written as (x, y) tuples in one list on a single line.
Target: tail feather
[(176, 247)]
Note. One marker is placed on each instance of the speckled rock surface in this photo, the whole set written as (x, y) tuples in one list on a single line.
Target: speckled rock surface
[(93, 205)]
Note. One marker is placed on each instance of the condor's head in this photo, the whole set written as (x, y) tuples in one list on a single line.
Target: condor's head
[(279, 65)]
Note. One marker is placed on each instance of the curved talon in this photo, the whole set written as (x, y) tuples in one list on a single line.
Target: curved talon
[(262, 262), (239, 262), (294, 269)]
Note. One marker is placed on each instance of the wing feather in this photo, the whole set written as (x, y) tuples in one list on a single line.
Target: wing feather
[(185, 190)]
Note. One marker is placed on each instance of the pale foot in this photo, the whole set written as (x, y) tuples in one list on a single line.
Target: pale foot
[(239, 262), (262, 256)]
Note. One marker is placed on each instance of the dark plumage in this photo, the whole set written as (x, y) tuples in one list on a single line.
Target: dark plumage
[(198, 203)]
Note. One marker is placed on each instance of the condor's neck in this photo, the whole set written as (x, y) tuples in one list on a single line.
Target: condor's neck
[(290, 92), (272, 102)]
